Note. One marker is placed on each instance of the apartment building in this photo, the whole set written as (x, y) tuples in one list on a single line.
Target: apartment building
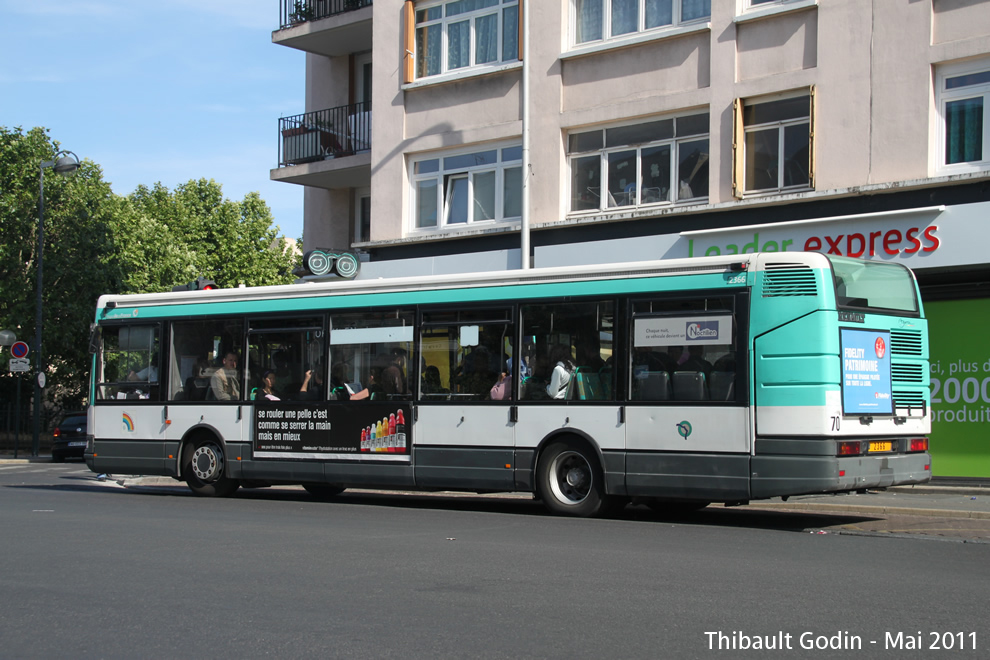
[(660, 129)]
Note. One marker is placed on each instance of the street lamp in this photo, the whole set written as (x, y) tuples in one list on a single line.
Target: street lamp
[(64, 162)]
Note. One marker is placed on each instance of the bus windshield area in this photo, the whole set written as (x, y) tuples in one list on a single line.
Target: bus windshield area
[(874, 285)]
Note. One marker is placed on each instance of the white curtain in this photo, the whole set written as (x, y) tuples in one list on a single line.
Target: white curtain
[(659, 12), (589, 20), (625, 16), (486, 34), (458, 45)]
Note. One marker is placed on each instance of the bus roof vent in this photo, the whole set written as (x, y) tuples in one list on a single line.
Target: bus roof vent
[(789, 279)]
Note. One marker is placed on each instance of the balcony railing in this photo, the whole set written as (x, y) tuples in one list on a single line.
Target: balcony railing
[(294, 12), (331, 133)]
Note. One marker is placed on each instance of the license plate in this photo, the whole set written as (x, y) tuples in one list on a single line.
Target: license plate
[(881, 446), (83, 444)]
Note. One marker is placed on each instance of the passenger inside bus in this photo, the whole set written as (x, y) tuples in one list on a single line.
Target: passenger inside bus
[(224, 385), (312, 385), (267, 391)]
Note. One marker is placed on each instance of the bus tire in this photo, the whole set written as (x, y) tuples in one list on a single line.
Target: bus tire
[(570, 480), (205, 468), (323, 491)]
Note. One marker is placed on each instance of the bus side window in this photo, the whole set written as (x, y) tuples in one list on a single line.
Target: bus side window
[(467, 355), (567, 352), (371, 355)]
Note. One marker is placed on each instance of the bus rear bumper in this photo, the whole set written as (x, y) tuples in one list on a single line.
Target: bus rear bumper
[(773, 476)]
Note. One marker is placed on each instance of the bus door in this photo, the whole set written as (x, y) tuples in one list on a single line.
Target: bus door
[(567, 380), (463, 434), (207, 388), (129, 423)]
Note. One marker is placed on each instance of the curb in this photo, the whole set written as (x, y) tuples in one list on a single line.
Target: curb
[(861, 508)]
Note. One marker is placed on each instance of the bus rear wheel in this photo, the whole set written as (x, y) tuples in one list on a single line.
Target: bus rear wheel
[(204, 467), (570, 480)]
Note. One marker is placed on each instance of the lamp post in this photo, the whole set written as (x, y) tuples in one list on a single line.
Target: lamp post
[(64, 162)]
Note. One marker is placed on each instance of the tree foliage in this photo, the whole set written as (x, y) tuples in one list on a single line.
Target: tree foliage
[(97, 242)]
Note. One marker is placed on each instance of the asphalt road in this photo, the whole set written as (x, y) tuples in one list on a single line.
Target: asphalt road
[(100, 570)]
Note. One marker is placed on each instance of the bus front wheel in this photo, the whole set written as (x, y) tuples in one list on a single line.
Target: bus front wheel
[(204, 467), (570, 480)]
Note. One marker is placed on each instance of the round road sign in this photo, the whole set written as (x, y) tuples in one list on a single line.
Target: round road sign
[(19, 349)]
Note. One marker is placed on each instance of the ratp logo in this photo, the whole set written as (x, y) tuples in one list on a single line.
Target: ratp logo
[(697, 330), (127, 423), (684, 429)]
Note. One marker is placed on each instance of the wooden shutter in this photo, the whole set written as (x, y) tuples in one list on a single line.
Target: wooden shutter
[(409, 33), (738, 157)]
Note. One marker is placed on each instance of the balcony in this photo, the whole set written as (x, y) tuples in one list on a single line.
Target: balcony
[(325, 27), (327, 148)]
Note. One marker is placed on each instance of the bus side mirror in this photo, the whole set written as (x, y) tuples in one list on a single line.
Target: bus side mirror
[(95, 337)]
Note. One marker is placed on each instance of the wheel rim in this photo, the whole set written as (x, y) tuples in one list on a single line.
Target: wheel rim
[(571, 478), (207, 462)]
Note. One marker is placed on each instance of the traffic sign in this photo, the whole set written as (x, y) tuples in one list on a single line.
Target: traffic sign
[(19, 349), (18, 365)]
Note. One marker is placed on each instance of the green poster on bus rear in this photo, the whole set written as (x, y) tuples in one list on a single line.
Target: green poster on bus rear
[(960, 375)]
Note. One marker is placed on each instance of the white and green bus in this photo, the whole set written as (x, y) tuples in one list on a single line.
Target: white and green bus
[(674, 383)]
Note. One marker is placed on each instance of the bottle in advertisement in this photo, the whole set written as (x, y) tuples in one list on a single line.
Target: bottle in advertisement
[(371, 438), (364, 439), (381, 440), (391, 433), (400, 433)]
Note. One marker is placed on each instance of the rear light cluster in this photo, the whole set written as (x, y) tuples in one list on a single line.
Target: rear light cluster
[(850, 448), (861, 447), (57, 432)]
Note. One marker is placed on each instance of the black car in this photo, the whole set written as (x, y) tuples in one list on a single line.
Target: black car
[(69, 437)]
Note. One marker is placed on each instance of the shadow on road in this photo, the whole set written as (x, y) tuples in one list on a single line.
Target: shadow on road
[(713, 515)]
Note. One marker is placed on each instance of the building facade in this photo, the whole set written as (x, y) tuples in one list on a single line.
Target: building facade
[(660, 129)]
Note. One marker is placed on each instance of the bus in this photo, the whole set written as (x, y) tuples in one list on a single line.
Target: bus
[(673, 383)]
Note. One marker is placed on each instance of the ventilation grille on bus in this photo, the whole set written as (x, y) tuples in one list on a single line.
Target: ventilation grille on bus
[(908, 373), (789, 280), (906, 342), (909, 400)]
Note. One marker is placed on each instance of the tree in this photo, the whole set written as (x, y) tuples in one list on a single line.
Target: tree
[(98, 243), (79, 263), (194, 231)]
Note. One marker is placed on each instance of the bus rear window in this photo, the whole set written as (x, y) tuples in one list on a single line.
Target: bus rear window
[(874, 285)]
